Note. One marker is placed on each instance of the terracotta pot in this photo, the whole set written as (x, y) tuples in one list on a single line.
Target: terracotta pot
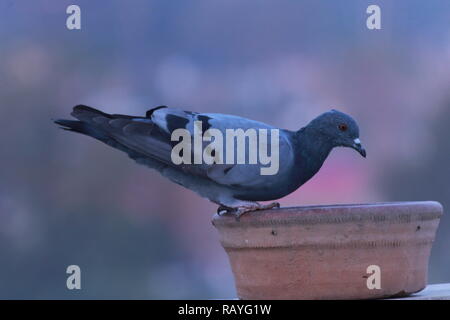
[(323, 252)]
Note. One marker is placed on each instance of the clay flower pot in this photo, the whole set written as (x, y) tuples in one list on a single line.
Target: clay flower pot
[(323, 252)]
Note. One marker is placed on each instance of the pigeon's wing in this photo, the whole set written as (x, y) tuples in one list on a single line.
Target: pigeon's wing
[(150, 136), (243, 175)]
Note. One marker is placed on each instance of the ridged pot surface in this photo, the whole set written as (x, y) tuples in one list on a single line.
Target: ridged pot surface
[(324, 252)]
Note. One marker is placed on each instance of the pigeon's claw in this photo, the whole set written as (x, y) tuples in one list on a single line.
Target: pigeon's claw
[(224, 209), (270, 206), (244, 209)]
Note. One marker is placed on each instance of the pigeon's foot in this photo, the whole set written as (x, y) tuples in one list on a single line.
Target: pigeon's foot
[(270, 206), (245, 209)]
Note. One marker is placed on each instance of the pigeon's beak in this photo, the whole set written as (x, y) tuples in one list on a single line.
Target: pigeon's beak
[(358, 147)]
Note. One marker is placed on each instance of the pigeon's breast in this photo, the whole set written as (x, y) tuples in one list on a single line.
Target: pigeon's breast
[(290, 177), (273, 187)]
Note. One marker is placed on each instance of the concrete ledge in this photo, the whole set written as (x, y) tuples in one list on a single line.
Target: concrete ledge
[(431, 292)]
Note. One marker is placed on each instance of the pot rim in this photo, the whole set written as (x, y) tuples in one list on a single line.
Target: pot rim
[(401, 211)]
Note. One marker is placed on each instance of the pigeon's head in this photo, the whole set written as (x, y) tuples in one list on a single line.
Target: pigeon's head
[(339, 128)]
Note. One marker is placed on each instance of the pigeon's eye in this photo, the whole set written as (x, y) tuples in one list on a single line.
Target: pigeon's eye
[(343, 127)]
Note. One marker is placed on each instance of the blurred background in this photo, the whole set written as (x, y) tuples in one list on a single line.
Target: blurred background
[(68, 199)]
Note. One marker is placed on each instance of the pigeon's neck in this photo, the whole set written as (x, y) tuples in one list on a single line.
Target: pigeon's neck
[(312, 148)]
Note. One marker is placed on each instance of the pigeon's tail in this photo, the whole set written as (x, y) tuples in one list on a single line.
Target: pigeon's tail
[(85, 124), (97, 124), (83, 128)]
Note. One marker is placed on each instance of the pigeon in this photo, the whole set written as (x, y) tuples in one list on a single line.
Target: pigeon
[(235, 187)]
